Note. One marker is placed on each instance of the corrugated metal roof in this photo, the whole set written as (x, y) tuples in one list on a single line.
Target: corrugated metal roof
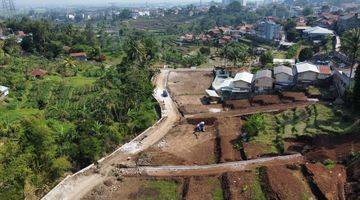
[(263, 74), (212, 93), (3, 88), (306, 67), (318, 30), (323, 69), (244, 76), (283, 69)]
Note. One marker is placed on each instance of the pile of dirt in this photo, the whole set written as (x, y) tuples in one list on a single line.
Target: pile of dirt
[(284, 183), (266, 99), (237, 104), (294, 96), (337, 148), (189, 82), (326, 183), (228, 136)]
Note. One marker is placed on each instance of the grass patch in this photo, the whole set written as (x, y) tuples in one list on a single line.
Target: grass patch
[(167, 190), (80, 81), (257, 192), (17, 114), (329, 164), (217, 194)]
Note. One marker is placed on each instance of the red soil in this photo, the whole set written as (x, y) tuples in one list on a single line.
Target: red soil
[(266, 99), (229, 132)]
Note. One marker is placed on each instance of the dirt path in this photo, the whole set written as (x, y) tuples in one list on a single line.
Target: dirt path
[(166, 171), (77, 185)]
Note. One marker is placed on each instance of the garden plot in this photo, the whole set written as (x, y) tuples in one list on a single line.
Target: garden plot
[(137, 188), (203, 188)]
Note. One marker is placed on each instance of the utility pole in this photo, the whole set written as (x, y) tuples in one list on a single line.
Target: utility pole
[(8, 7)]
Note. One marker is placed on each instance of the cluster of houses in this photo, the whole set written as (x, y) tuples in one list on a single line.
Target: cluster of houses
[(301, 75)]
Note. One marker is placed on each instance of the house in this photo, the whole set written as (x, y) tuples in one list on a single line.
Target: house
[(263, 80), (283, 75), (348, 21), (324, 72), (317, 32), (269, 30), (38, 73), (4, 91), (306, 72), (81, 56), (342, 80), (243, 81)]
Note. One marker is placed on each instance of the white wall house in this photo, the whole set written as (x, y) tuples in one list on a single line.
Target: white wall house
[(263, 80), (306, 72), (283, 75), (4, 91), (243, 81)]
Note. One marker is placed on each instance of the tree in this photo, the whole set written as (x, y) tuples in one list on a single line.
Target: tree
[(254, 124), (266, 58), (235, 52), (68, 63), (351, 46), (356, 90), (308, 11), (306, 54)]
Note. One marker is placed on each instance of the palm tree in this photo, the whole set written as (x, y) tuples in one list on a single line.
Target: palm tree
[(351, 47), (68, 63)]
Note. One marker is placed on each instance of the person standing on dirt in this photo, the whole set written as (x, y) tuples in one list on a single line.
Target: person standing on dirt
[(200, 127)]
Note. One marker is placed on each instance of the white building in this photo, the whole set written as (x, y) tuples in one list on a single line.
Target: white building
[(243, 81), (306, 72), (283, 75), (4, 91), (318, 32)]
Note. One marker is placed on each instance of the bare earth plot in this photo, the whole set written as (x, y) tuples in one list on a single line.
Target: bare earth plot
[(171, 161)]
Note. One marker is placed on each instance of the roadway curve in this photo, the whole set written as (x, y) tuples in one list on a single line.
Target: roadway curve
[(79, 184)]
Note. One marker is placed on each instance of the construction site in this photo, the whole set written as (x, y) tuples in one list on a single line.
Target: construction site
[(296, 156)]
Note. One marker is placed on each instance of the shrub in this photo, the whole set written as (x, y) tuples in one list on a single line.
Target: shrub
[(254, 124)]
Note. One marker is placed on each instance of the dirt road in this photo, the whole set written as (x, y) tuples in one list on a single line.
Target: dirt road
[(77, 185), (212, 169)]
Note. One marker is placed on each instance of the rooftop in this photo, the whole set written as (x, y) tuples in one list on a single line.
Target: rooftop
[(283, 69), (244, 76), (263, 74), (306, 67)]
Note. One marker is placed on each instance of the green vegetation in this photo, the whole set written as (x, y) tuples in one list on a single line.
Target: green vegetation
[(217, 194), (71, 117), (313, 120), (306, 54), (329, 164), (257, 192), (165, 189), (293, 51), (267, 58)]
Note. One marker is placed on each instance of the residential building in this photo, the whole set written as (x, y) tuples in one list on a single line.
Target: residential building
[(306, 72), (324, 72), (81, 56), (348, 21), (317, 32), (268, 30), (283, 75), (38, 73), (263, 81), (279, 61), (342, 80), (243, 81), (4, 91)]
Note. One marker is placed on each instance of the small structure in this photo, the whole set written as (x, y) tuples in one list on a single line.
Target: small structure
[(284, 76), (81, 56), (318, 32), (306, 73), (278, 61), (324, 72), (263, 81), (342, 80), (243, 81), (4, 91), (212, 96), (38, 73)]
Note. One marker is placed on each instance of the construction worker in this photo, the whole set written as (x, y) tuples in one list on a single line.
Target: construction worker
[(200, 127)]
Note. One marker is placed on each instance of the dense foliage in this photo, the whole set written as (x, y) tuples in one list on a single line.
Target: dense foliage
[(59, 123)]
